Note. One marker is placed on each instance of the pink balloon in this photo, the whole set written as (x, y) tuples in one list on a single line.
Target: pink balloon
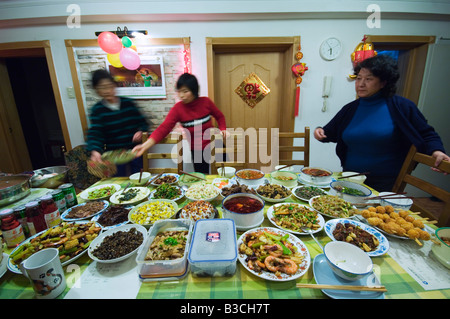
[(109, 42), (130, 59)]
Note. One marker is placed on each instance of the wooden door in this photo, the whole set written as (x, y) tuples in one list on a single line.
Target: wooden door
[(233, 60)]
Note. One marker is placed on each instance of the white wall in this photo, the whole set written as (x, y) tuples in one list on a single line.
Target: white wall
[(312, 28)]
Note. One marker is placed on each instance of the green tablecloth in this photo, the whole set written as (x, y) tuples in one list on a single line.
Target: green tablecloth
[(242, 285)]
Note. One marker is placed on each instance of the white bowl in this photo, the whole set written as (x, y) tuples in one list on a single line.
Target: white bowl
[(292, 180), (310, 178), (244, 220), (144, 179), (347, 261), (356, 179), (397, 203), (99, 240), (249, 181), (351, 198), (229, 171), (440, 249)]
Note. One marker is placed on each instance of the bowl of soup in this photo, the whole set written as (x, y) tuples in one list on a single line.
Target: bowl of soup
[(245, 209), (316, 175), (250, 177), (284, 178)]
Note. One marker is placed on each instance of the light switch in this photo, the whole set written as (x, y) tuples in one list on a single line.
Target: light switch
[(70, 92)]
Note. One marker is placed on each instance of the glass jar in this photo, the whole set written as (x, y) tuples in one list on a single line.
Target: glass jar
[(21, 216), (11, 228), (35, 220), (50, 211)]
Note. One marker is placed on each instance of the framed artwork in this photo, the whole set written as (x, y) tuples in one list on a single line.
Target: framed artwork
[(146, 82)]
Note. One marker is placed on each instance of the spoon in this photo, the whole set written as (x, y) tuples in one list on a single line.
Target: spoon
[(309, 231)]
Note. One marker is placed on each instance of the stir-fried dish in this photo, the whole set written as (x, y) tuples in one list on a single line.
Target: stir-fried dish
[(316, 172), (166, 191), (70, 239), (118, 244), (294, 217), (86, 210), (101, 192), (308, 192), (168, 245), (273, 191), (333, 206), (349, 190), (267, 251), (355, 235)]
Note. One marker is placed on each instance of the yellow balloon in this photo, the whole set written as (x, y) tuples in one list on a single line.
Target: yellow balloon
[(114, 60)]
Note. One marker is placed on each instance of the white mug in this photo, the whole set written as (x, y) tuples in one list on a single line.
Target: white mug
[(45, 272)]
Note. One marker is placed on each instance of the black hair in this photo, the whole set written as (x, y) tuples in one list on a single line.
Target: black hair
[(383, 67), (190, 81), (99, 75)]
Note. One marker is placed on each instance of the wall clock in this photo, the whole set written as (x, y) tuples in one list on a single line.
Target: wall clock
[(330, 49)]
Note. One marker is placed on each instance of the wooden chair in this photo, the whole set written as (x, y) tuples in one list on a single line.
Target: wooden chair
[(232, 150), (286, 147), (177, 158), (411, 161)]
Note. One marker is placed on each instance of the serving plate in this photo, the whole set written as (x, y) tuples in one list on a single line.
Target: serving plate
[(67, 211), (165, 174), (120, 156), (324, 275), (304, 198), (302, 268), (142, 195), (320, 185), (383, 245), (310, 202), (273, 200), (99, 240), (270, 215), (152, 194), (97, 217), (85, 194), (15, 269)]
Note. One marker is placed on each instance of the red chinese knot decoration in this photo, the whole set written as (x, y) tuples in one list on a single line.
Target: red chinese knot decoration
[(298, 69), (252, 90)]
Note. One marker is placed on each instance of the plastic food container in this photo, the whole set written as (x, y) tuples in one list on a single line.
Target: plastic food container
[(164, 268), (213, 248)]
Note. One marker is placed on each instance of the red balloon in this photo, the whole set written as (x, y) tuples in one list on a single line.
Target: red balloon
[(109, 42)]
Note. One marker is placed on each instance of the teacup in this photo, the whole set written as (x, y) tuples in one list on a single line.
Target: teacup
[(45, 272)]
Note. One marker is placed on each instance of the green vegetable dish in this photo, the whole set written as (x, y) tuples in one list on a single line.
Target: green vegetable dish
[(166, 191), (333, 206), (101, 192)]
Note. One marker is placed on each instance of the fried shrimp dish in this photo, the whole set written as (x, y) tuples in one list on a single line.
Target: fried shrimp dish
[(294, 217), (270, 252)]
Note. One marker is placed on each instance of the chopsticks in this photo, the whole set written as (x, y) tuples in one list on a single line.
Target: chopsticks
[(354, 175), (156, 177), (343, 287), (140, 175), (390, 196), (286, 166), (183, 172)]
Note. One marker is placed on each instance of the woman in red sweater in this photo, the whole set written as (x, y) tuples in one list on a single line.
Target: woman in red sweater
[(194, 113)]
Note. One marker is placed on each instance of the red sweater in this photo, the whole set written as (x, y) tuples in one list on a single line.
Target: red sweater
[(194, 116)]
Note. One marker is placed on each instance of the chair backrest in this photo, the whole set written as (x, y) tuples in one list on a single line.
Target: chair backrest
[(176, 155), (286, 147), (411, 161), (230, 152)]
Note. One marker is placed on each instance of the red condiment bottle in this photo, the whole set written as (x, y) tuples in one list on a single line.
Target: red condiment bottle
[(35, 220), (50, 211), (11, 228)]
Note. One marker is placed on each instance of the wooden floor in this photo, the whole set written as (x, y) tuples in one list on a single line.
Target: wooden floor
[(434, 205)]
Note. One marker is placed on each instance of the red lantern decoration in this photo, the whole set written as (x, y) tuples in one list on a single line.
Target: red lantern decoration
[(298, 69)]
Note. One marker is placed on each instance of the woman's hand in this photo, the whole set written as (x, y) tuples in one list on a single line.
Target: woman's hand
[(96, 156), (140, 149), (225, 134), (439, 156), (137, 137), (319, 134)]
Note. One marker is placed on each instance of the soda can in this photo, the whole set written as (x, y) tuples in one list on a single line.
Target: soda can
[(70, 194), (60, 200), (21, 217)]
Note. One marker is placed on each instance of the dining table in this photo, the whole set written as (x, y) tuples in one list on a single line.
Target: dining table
[(87, 279)]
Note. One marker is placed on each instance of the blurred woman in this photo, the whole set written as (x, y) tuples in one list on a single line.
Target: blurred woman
[(375, 132)]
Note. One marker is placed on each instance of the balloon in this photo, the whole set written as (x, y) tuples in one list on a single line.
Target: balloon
[(114, 59), (109, 42), (134, 48), (130, 59), (126, 41)]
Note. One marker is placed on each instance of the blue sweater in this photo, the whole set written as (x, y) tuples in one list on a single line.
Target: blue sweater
[(408, 125)]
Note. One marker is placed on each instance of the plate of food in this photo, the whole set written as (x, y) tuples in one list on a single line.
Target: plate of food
[(167, 191), (198, 210), (359, 234), (147, 213), (235, 188), (292, 217), (273, 193), (332, 206), (84, 210), (114, 216), (166, 178), (202, 191), (273, 254), (305, 193), (130, 196), (120, 156), (117, 244), (74, 239), (99, 192)]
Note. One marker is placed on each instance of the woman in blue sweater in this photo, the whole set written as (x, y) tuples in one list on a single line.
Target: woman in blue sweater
[(375, 132)]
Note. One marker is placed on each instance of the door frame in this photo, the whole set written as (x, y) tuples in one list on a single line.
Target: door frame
[(288, 45)]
